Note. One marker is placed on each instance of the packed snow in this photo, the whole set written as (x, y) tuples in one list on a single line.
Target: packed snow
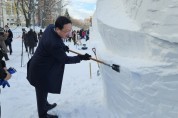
[(140, 36)]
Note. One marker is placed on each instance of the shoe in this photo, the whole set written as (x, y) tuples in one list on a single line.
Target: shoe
[(51, 116), (50, 106)]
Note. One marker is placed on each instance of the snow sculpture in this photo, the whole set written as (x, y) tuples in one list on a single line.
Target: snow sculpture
[(141, 36)]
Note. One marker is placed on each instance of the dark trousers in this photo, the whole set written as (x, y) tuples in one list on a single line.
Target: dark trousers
[(31, 50), (5, 56), (10, 47), (41, 97), (26, 47)]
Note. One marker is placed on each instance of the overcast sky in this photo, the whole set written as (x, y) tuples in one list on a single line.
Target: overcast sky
[(81, 9)]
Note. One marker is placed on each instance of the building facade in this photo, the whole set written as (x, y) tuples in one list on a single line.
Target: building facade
[(8, 14), (44, 12)]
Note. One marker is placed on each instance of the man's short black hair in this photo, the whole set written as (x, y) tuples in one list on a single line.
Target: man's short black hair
[(61, 21)]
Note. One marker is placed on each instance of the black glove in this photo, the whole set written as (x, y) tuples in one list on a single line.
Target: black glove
[(84, 57), (66, 48)]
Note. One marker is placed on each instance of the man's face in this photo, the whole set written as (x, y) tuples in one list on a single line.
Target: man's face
[(64, 33)]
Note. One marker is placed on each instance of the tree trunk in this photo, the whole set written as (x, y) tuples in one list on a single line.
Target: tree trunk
[(27, 22)]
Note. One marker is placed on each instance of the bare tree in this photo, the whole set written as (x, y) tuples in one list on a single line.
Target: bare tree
[(84, 24), (17, 11), (50, 10), (67, 14), (25, 7), (44, 10)]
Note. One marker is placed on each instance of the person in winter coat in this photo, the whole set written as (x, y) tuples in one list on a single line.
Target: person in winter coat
[(70, 36), (74, 37), (40, 34), (3, 48), (4, 74), (32, 41), (87, 35), (25, 40), (46, 67), (8, 41)]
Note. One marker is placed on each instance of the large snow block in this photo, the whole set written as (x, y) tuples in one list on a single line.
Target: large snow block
[(140, 36)]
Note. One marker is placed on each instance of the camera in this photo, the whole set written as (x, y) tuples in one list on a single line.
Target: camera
[(11, 70)]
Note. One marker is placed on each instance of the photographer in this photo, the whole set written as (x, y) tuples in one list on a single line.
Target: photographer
[(4, 74), (3, 48)]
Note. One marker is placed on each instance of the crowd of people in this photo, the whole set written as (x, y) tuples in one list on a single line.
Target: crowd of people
[(6, 36), (77, 35)]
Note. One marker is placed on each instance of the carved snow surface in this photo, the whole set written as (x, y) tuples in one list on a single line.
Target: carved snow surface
[(142, 37)]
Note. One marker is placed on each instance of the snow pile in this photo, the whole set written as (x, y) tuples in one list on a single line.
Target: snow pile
[(141, 37)]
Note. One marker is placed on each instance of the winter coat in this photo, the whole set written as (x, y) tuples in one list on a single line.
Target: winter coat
[(24, 37), (46, 67), (31, 39), (9, 38), (2, 42), (3, 73), (40, 35)]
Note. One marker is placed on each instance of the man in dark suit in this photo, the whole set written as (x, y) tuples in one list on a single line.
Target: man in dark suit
[(45, 69)]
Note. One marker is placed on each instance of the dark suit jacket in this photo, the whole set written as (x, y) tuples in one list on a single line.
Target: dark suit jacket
[(45, 69)]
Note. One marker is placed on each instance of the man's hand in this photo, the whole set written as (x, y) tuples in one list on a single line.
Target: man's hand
[(84, 57), (66, 48)]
